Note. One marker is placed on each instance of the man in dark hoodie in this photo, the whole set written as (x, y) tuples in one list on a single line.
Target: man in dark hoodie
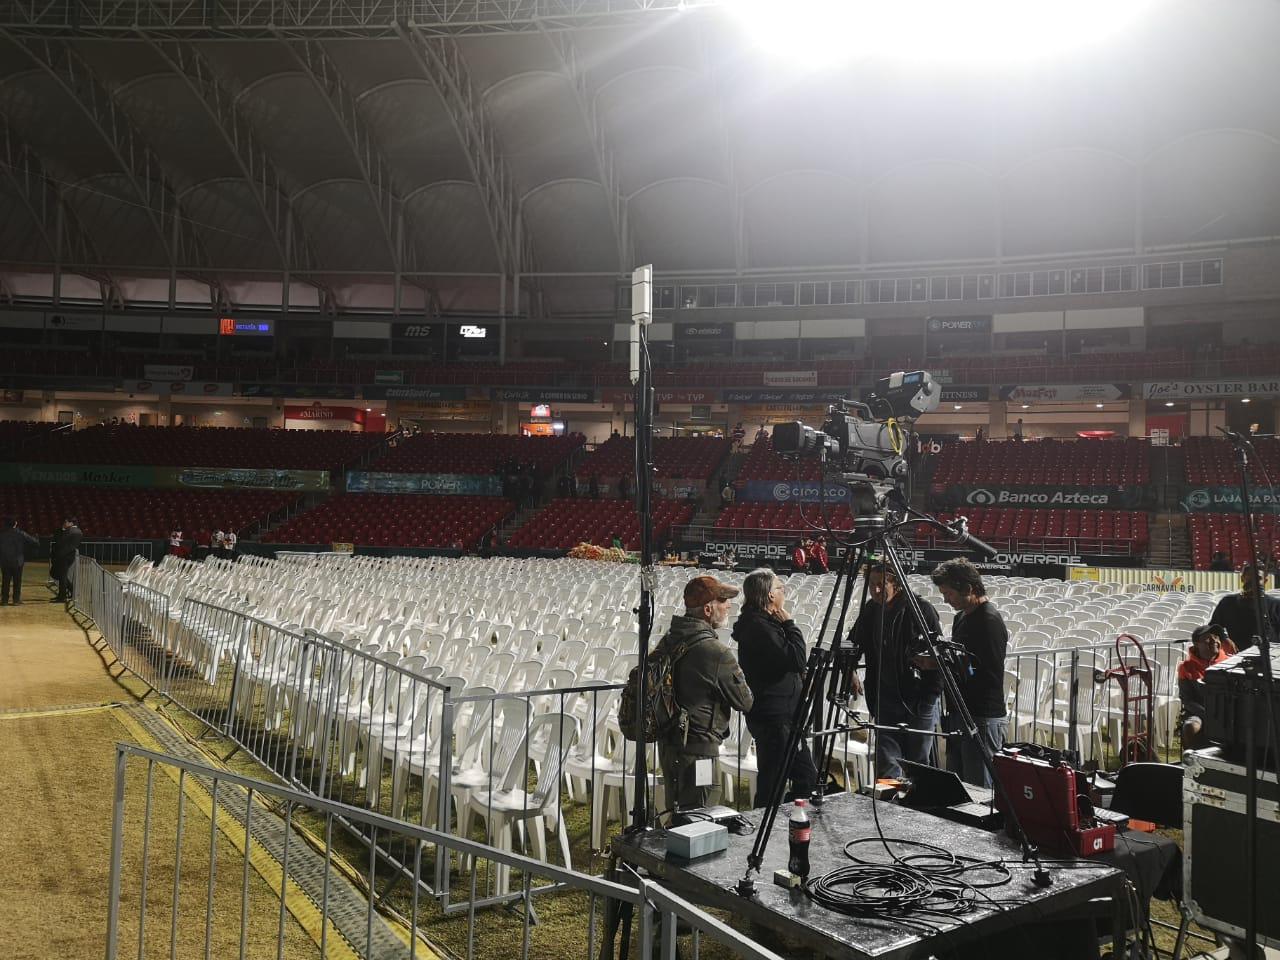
[(64, 560), (902, 686), (708, 685), (771, 649)]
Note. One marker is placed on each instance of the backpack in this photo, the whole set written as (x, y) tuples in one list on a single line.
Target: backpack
[(663, 715)]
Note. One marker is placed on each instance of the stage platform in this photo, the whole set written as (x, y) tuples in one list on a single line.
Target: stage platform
[(1016, 919)]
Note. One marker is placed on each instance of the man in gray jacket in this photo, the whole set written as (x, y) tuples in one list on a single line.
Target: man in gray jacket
[(13, 543), (709, 685)]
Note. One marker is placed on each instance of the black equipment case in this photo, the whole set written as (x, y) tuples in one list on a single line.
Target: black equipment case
[(1229, 709), (1214, 882)]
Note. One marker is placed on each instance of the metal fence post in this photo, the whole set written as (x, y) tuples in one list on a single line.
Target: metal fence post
[(117, 852), (442, 794)]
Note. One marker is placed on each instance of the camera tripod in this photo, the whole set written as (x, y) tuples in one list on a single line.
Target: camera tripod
[(827, 671)]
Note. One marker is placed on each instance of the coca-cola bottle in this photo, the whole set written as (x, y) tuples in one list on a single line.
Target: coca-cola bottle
[(798, 838)]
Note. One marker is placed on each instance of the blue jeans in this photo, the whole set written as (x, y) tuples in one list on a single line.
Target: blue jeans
[(964, 758), (893, 746)]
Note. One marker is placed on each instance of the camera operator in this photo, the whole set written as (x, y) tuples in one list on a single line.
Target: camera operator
[(902, 687), (980, 630), (772, 653)]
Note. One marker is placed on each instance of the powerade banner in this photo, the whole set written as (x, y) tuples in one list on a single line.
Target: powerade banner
[(538, 395), (1227, 500), (309, 391), (824, 395), (359, 481), (402, 392), (231, 478), (787, 491), (1112, 498)]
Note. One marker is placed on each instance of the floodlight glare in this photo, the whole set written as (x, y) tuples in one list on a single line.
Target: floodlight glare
[(822, 33)]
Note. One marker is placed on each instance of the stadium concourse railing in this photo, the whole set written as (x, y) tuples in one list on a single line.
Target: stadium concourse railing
[(245, 883)]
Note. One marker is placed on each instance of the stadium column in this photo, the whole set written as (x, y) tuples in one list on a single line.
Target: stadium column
[(998, 420), (1137, 418)]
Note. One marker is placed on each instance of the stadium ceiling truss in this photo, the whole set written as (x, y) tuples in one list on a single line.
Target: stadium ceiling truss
[(567, 52), (270, 193), (442, 63), (306, 19)]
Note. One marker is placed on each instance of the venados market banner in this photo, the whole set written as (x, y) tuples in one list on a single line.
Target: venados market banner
[(1227, 499), (1047, 498), (359, 481), (785, 491)]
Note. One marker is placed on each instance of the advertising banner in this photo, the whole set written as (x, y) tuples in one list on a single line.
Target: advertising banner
[(388, 376), (1211, 389), (951, 393), (1111, 498), (625, 395), (75, 473), (10, 396), (319, 411), (959, 324), (412, 392), (707, 330), (417, 331), (173, 388), (1159, 581), (757, 395), (1227, 499), (1066, 393), (72, 321), (788, 491), (303, 391), (675, 488), (167, 371), (87, 384), (445, 410), (769, 413), (360, 481), (540, 395), (791, 378), (237, 478)]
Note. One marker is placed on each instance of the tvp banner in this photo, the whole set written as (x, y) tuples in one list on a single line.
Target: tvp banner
[(465, 484)]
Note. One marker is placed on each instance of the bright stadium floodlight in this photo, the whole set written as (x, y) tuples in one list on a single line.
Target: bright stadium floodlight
[(814, 34)]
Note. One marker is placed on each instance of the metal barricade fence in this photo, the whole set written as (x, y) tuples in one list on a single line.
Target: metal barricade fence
[(116, 552), (518, 761), (86, 587), (205, 858), (342, 723), (144, 634)]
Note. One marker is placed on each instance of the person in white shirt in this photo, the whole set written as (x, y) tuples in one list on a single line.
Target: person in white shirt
[(217, 543), (229, 543)]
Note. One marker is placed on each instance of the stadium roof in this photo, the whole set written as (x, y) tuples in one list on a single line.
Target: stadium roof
[(586, 136)]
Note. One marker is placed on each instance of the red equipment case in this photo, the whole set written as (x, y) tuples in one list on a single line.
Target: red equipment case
[(1043, 795)]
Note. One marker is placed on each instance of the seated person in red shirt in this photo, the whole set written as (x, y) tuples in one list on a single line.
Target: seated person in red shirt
[(1208, 646)]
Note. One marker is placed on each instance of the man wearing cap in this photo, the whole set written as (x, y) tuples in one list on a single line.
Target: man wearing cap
[(709, 684), (1237, 614), (1209, 645)]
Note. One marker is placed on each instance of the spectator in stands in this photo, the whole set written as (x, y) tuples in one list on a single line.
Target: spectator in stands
[(1220, 562), (64, 559), (709, 685), (1017, 430), (218, 543), (772, 653), (980, 434), (727, 493), (1237, 612), (980, 630), (13, 544), (762, 434), (799, 559), (229, 542), (1206, 649), (175, 542), (737, 436), (818, 560), (903, 686), (593, 487)]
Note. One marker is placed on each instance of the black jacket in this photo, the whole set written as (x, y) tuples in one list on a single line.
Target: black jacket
[(709, 685), (772, 655), (901, 643), (12, 547), (67, 545)]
